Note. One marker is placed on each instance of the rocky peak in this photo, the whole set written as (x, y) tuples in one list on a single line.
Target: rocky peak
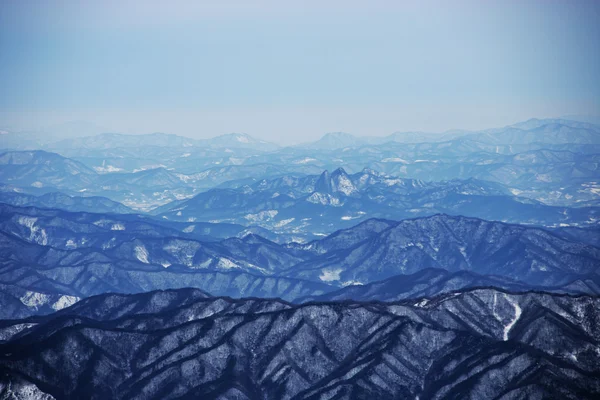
[(323, 184)]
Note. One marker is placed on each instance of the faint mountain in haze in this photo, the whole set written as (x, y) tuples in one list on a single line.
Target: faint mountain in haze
[(41, 168), (73, 129), (334, 140), (238, 140), (15, 139), (549, 130), (590, 119), (65, 202), (534, 131), (120, 140)]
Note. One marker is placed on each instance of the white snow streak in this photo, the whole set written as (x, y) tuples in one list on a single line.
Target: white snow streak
[(117, 227), (512, 323), (64, 302), (142, 254), (36, 234)]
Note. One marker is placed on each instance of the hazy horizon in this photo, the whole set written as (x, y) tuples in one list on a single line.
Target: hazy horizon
[(290, 73), (80, 128)]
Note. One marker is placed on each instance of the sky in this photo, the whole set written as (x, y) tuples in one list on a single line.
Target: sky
[(292, 71)]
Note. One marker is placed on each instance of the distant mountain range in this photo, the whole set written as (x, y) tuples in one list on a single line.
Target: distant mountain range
[(549, 131), (552, 161), (82, 135), (40, 168), (119, 140), (40, 172), (182, 344), (321, 204), (59, 200)]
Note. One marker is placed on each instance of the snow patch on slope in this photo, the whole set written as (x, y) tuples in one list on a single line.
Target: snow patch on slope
[(64, 302), (331, 275), (34, 299), (345, 186), (141, 254), (324, 198), (226, 264), (189, 229), (262, 216), (36, 234)]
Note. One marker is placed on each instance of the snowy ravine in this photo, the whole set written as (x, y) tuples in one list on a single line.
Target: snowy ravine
[(512, 323), (501, 318)]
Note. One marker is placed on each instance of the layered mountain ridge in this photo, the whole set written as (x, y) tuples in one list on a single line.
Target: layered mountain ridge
[(455, 265), (56, 253)]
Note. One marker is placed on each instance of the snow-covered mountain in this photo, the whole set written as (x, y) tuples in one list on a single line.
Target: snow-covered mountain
[(477, 343), (530, 255)]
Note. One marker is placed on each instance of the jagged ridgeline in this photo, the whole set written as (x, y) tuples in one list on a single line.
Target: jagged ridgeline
[(480, 343)]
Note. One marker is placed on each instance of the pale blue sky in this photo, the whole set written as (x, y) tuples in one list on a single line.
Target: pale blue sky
[(293, 72)]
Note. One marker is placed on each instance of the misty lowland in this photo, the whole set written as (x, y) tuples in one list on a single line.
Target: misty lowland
[(334, 200)]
